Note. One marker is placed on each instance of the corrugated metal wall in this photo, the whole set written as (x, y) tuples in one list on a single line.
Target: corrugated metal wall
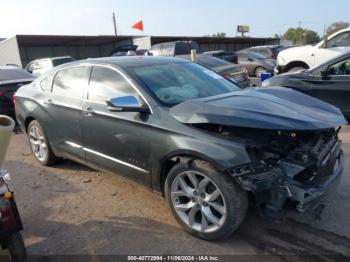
[(9, 53), (79, 52)]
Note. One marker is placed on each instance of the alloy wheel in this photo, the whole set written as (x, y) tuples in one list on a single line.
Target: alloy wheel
[(38, 143), (198, 201)]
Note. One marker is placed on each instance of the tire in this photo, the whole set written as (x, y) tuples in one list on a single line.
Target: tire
[(37, 139), (232, 199), (16, 248), (258, 71), (296, 69)]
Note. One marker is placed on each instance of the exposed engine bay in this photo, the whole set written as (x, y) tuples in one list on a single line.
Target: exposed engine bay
[(288, 168)]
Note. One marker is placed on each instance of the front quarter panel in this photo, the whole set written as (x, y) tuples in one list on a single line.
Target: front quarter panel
[(177, 139)]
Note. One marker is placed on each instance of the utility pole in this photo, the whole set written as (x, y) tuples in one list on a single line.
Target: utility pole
[(115, 25), (300, 33)]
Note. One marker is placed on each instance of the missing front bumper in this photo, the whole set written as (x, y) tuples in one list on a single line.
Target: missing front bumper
[(306, 195), (304, 199)]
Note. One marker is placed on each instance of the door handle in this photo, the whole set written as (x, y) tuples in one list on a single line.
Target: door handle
[(88, 111), (48, 102)]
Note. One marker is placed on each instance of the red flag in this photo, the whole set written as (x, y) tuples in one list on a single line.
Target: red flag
[(138, 26)]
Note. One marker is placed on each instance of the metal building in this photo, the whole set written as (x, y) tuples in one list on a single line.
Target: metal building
[(21, 49)]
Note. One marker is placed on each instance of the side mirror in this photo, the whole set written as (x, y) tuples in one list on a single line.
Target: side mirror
[(250, 59), (126, 104)]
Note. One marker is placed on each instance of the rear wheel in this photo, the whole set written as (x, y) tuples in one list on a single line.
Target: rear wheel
[(204, 201), (39, 144)]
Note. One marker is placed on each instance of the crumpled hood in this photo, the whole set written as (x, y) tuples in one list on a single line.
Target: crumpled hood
[(266, 108)]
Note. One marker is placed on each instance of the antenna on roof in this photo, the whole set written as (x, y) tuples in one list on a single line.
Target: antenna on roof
[(115, 25)]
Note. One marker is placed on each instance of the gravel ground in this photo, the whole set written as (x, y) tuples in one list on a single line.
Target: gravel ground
[(70, 209)]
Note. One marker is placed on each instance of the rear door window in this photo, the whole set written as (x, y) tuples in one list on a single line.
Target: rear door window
[(71, 81), (242, 57), (106, 83), (46, 83)]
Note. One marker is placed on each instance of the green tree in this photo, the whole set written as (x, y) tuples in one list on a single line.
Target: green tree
[(301, 36), (219, 34), (311, 37), (336, 27), (294, 34)]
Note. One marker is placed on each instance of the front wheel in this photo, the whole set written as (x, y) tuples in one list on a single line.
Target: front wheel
[(207, 203), (16, 248)]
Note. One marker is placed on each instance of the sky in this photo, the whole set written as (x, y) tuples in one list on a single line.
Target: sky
[(167, 17)]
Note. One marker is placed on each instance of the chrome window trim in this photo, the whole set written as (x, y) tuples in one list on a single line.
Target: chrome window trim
[(105, 156), (92, 65)]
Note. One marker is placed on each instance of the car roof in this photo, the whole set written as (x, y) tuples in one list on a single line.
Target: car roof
[(52, 58), (126, 61), (339, 32)]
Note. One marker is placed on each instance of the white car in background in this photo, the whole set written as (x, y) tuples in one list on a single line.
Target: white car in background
[(40, 66), (304, 57)]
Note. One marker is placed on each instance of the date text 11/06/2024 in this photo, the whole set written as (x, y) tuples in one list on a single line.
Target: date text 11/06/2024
[(173, 258)]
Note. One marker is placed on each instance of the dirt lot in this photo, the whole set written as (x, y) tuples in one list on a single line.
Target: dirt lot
[(71, 209)]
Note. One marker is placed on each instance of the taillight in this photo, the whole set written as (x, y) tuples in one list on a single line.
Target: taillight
[(227, 75), (245, 73), (14, 99), (7, 219), (2, 93)]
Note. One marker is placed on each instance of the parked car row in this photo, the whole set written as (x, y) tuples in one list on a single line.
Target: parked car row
[(305, 57), (255, 63), (211, 60)]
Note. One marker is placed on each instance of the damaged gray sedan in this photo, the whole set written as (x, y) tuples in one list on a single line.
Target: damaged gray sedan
[(190, 135)]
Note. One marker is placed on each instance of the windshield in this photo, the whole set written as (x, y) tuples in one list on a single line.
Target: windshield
[(61, 61), (212, 62), (256, 55), (173, 83)]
